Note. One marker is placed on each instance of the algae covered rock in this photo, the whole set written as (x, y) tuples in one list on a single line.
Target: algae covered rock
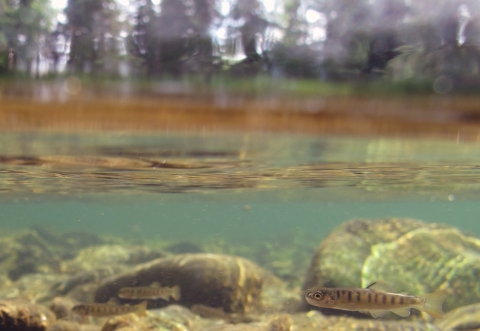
[(62, 308), (20, 316), (95, 263), (462, 318), (105, 256), (415, 257), (232, 283), (173, 317), (85, 277), (72, 326), (25, 252), (314, 321), (39, 251), (34, 288)]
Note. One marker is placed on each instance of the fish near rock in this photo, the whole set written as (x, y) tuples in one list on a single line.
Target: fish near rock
[(377, 299), (417, 257), (231, 283), (154, 291), (108, 309)]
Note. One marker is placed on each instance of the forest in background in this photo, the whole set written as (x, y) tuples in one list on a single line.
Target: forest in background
[(436, 41)]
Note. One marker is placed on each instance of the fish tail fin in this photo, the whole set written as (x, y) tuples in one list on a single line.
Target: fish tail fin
[(141, 308), (176, 293), (432, 303)]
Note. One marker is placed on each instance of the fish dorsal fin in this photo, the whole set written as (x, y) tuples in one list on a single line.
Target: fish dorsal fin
[(380, 286), (155, 285)]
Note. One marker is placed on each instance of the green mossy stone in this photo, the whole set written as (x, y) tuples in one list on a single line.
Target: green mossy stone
[(413, 256)]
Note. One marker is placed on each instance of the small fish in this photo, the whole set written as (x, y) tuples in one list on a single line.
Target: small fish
[(154, 291), (109, 309), (377, 299)]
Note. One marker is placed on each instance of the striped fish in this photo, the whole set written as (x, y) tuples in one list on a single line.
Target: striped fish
[(154, 291), (377, 299), (109, 309)]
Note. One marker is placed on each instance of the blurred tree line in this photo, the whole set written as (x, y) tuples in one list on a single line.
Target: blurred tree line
[(321, 39)]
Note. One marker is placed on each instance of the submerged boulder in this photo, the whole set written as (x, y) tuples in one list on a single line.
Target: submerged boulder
[(232, 283), (415, 257), (73, 326), (463, 318), (104, 256), (20, 316)]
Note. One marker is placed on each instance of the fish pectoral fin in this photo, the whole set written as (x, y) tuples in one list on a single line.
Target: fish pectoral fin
[(141, 308), (364, 311), (113, 301), (404, 312), (380, 286), (378, 313), (155, 285), (176, 293)]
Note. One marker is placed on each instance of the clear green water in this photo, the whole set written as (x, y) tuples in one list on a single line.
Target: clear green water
[(237, 187), (193, 217)]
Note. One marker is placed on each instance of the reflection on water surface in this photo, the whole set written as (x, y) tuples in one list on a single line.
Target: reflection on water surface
[(206, 163)]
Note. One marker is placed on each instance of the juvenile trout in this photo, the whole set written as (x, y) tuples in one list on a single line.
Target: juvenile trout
[(154, 291), (377, 299), (108, 309)]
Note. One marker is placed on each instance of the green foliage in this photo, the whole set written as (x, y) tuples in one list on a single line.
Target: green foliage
[(408, 43), (95, 30), (23, 28)]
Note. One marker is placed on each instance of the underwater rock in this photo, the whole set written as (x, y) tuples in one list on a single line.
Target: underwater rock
[(40, 251), (83, 293), (72, 326), (281, 322), (93, 264), (279, 298), (219, 314), (462, 318), (25, 252), (314, 321), (67, 244), (229, 282), (173, 317), (34, 288), (85, 277), (414, 256), (65, 326), (20, 316), (97, 257), (62, 307), (287, 257)]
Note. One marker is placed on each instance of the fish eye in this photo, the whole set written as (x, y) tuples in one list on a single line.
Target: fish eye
[(318, 295)]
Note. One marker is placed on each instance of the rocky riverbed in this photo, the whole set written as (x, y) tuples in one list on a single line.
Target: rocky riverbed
[(228, 288)]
